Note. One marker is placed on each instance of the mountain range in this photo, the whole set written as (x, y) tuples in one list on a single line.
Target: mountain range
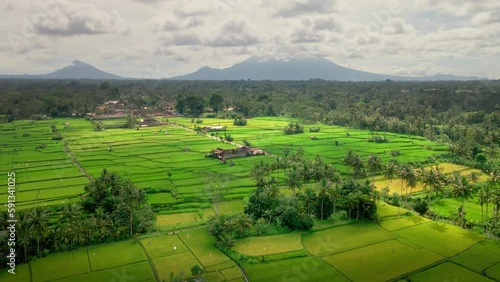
[(77, 70), (253, 69)]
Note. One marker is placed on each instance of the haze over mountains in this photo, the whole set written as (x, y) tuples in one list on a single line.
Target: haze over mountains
[(253, 69), (77, 70)]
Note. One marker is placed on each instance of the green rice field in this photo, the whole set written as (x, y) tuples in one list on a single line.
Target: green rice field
[(398, 248)]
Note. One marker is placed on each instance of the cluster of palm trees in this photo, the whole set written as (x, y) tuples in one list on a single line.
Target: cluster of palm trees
[(42, 230), (434, 181), (113, 209), (357, 165), (323, 187)]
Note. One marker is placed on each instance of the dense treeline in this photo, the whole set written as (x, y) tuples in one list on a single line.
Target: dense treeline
[(318, 191), (464, 114), (112, 209)]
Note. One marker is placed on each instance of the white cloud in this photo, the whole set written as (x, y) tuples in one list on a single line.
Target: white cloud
[(69, 19), (185, 35)]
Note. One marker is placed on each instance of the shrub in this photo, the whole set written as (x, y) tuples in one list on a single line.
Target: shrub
[(293, 128), (314, 129), (26, 134), (421, 206), (378, 139), (395, 153), (57, 136), (229, 138), (240, 121)]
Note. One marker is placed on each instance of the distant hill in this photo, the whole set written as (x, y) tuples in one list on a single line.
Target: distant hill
[(77, 70), (299, 69)]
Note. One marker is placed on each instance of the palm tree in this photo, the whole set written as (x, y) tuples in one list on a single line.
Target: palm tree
[(462, 188), (474, 176), (39, 219), (69, 216), (309, 199), (293, 179), (402, 171), (323, 193), (358, 166), (278, 164), (335, 193), (102, 223), (439, 184), (374, 163), (390, 170), (306, 172), (271, 188), (225, 242), (243, 223), (132, 198), (493, 180), (24, 231), (348, 159), (352, 202), (483, 198), (318, 170), (495, 200)]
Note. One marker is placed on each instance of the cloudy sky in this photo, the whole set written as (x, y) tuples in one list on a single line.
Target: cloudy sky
[(163, 38)]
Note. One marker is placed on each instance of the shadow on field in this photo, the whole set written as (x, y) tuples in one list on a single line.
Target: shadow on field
[(440, 227)]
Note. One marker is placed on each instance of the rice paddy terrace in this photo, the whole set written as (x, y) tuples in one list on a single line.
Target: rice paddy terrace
[(172, 157), (53, 172), (398, 248)]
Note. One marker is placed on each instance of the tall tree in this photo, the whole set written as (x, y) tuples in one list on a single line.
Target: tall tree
[(216, 102), (374, 163), (462, 188), (39, 220)]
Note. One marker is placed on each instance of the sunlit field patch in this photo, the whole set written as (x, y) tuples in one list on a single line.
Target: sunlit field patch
[(164, 245), (261, 246), (381, 262), (178, 263), (60, 265), (342, 238), (115, 254), (392, 224), (479, 257), (140, 272), (447, 272), (201, 243), (444, 239), (298, 269)]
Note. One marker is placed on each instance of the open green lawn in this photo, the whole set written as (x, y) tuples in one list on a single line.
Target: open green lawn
[(381, 262), (164, 245), (175, 264), (441, 238), (262, 246), (298, 269), (201, 244), (22, 274), (60, 265), (403, 221), (450, 206), (385, 210), (231, 273), (43, 175), (115, 254), (479, 257), (342, 238), (140, 272), (447, 272), (494, 272)]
